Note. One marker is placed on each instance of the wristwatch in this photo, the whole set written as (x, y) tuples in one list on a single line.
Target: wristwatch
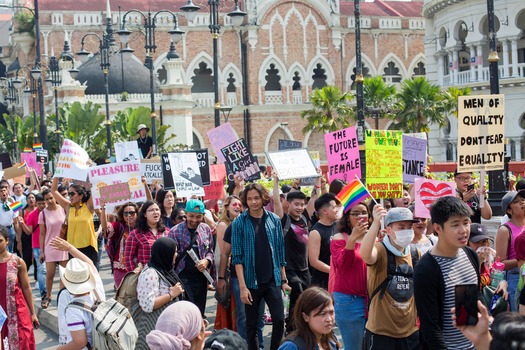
[(283, 281)]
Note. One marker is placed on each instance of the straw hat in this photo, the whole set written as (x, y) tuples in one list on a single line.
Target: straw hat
[(77, 277)]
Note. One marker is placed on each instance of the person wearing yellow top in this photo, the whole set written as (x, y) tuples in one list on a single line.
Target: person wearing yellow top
[(81, 230)]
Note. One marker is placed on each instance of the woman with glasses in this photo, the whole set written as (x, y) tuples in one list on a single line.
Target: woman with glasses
[(81, 228), (148, 228), (177, 216), (117, 233), (350, 289), (421, 241)]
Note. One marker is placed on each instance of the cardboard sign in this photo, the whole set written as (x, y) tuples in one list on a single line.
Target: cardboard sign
[(127, 151), (292, 164), (481, 141), (310, 181), (167, 177), (427, 192), (30, 159), (204, 164), (414, 158), (342, 151), (384, 167), (216, 189), (239, 161), (5, 161), (115, 193), (116, 173), (42, 156), (289, 144), (73, 162), (151, 169), (14, 172), (221, 137), (186, 174)]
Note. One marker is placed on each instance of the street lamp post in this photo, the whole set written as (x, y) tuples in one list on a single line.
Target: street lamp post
[(359, 79), (31, 87), (215, 28), (106, 49), (150, 46), (10, 95)]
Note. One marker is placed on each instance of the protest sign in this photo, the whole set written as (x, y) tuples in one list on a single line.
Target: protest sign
[(216, 189), (5, 161), (481, 144), (427, 192), (292, 164), (289, 144), (115, 193), (342, 152), (30, 159), (239, 161), (42, 156), (151, 169), (186, 174), (414, 158), (167, 178), (204, 164), (1, 174), (15, 172), (73, 162), (221, 137), (384, 167), (310, 181), (115, 173), (127, 151)]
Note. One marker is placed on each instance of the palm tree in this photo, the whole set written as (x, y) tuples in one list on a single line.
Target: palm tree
[(330, 110), (420, 103), (451, 97), (378, 98)]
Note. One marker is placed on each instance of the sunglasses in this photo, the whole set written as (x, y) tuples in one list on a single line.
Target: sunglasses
[(236, 204), (183, 217), (129, 213), (71, 194)]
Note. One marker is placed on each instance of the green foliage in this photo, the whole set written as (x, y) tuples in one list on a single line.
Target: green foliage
[(25, 22), (419, 103), (330, 110), (83, 121), (451, 98), (379, 95)]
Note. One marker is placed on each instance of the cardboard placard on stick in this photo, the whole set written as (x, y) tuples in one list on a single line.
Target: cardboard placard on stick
[(292, 164), (116, 192), (221, 137), (342, 151), (239, 161), (414, 158)]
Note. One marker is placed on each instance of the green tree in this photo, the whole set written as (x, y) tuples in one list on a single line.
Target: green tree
[(379, 96), (419, 103), (330, 110), (451, 98)]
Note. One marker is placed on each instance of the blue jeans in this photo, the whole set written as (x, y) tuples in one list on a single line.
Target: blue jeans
[(12, 236), (241, 314), (41, 275), (512, 278), (350, 318)]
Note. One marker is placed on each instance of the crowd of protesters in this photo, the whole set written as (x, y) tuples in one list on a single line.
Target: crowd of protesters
[(383, 276)]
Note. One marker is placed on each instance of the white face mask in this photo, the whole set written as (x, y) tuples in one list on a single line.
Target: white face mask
[(404, 237)]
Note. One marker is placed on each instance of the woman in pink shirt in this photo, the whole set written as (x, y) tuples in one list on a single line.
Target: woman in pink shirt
[(349, 292)]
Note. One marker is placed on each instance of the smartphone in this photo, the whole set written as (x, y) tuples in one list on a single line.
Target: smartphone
[(466, 304), (363, 218), (470, 187)]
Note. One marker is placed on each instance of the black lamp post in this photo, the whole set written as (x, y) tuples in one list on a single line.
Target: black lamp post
[(215, 28), (106, 48), (359, 79), (10, 96), (150, 46), (31, 87)]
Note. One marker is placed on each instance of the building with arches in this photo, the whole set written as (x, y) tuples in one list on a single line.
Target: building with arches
[(456, 50), (268, 67)]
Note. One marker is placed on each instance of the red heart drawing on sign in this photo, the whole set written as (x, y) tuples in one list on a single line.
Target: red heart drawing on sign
[(430, 192)]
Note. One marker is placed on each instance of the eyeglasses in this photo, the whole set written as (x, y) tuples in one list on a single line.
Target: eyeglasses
[(236, 204), (129, 213), (463, 178), (71, 194), (183, 217), (154, 210), (421, 219), (357, 214)]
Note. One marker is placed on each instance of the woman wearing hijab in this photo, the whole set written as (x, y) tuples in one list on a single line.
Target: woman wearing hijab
[(157, 288), (179, 327)]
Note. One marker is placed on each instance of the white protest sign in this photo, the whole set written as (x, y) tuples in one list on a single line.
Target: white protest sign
[(481, 142), (152, 170), (186, 174), (73, 162), (114, 173), (292, 164), (126, 151)]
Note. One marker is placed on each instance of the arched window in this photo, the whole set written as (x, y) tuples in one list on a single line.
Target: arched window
[(202, 79), (391, 73), (420, 69), (319, 77), (273, 80)]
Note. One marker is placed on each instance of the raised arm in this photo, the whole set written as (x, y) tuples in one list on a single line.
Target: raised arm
[(310, 207), (277, 205), (63, 202), (368, 249)]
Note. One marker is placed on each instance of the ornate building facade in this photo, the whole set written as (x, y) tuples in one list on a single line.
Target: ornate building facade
[(267, 67)]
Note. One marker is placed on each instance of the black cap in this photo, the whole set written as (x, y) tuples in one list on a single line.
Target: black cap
[(225, 339), (478, 233)]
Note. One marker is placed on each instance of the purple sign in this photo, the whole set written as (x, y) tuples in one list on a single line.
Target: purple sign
[(342, 151), (221, 137), (414, 158)]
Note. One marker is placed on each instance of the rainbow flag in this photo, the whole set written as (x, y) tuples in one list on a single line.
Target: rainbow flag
[(16, 206), (37, 145), (352, 194), (22, 165), (27, 149)]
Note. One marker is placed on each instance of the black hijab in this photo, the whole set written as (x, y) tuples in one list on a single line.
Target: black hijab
[(161, 258)]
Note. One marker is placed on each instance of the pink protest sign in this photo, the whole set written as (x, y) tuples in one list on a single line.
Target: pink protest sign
[(428, 191), (221, 137), (217, 175), (30, 159), (342, 152)]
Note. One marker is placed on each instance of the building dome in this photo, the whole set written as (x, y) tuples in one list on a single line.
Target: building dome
[(126, 73)]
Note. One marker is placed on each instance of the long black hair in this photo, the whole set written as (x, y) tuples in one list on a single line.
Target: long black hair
[(142, 223)]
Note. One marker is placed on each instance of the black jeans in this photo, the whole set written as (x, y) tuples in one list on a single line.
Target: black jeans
[(196, 289), (298, 281), (376, 341), (273, 298)]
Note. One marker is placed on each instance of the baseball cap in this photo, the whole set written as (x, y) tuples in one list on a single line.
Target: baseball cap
[(509, 197), (478, 233), (195, 206), (225, 339), (398, 214)]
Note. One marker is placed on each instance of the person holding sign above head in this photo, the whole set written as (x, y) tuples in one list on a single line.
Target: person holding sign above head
[(465, 190), (144, 141)]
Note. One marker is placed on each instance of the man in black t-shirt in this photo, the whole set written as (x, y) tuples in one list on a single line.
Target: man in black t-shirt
[(145, 142)]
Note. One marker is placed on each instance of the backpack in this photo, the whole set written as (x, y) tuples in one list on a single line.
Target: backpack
[(126, 293), (113, 326), (392, 271)]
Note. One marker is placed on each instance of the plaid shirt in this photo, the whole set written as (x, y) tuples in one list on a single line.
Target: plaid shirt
[(243, 246), (138, 248)]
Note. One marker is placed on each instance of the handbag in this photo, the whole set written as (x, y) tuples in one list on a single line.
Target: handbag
[(224, 298)]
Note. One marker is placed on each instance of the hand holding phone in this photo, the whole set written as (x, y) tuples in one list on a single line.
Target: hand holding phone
[(470, 187), (466, 301)]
